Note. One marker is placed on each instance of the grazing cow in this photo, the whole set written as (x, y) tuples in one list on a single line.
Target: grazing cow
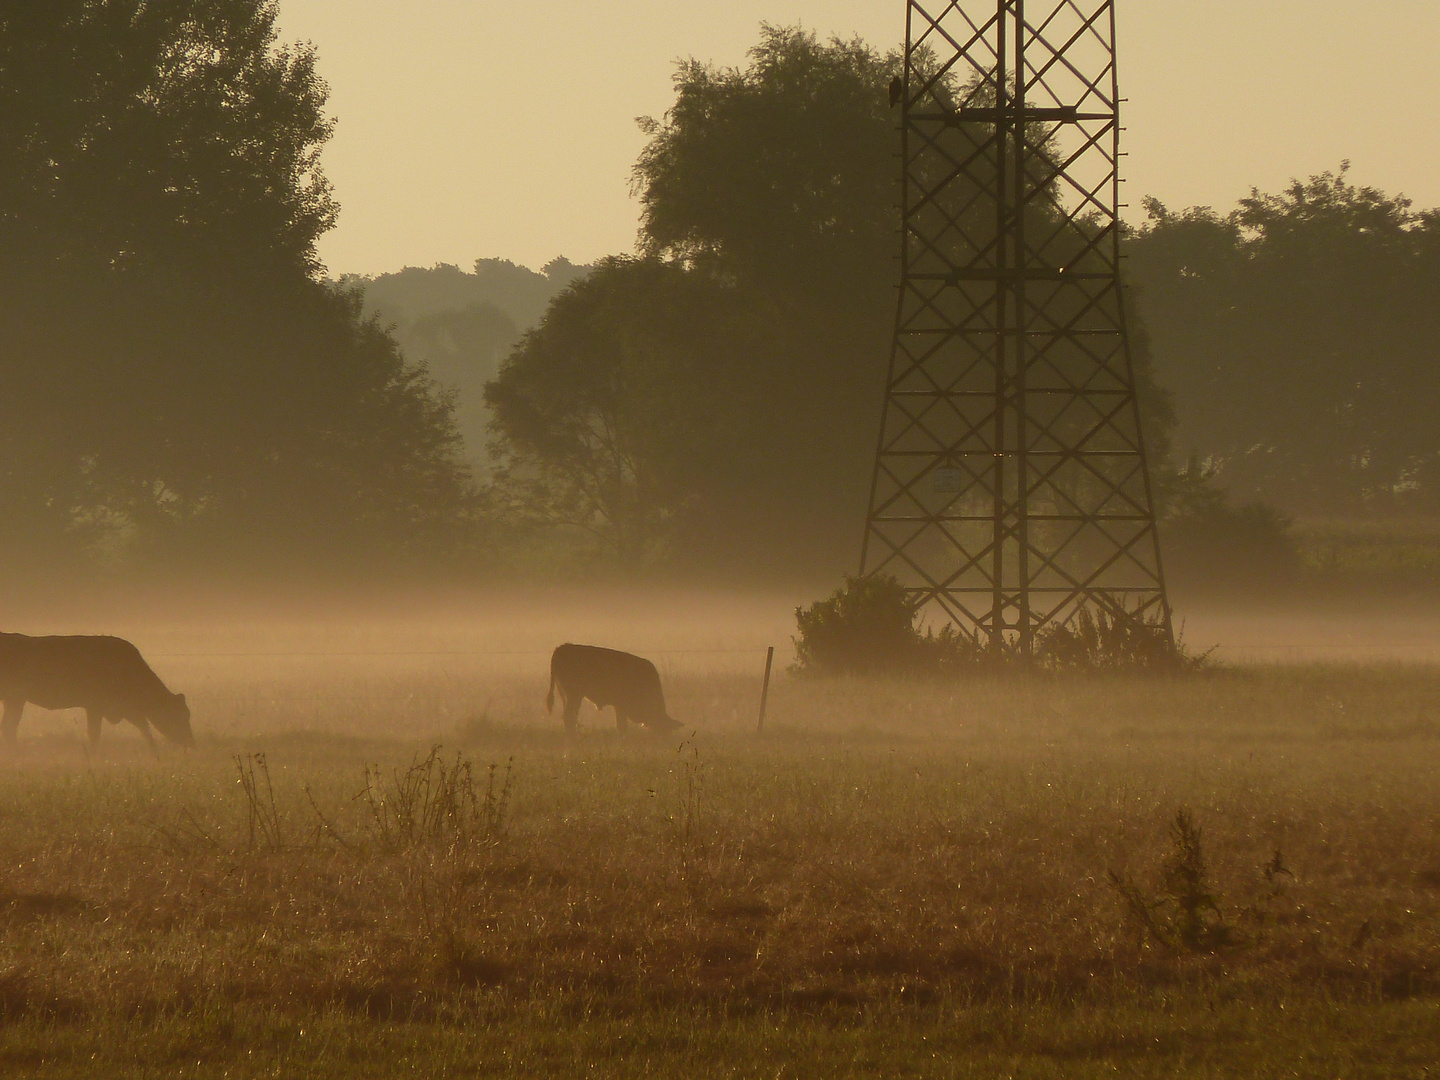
[(607, 677), (105, 676)]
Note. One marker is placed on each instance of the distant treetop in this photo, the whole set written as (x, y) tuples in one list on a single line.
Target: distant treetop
[(415, 292)]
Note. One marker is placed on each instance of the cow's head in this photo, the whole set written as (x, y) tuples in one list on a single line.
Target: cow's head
[(172, 720), (664, 723)]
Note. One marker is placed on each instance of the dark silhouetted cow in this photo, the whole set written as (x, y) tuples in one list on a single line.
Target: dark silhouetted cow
[(105, 676), (607, 677)]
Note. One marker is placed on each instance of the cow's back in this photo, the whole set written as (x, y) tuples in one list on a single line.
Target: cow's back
[(65, 672)]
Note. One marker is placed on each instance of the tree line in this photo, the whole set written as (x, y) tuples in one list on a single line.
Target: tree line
[(1300, 337), (719, 392), (183, 383)]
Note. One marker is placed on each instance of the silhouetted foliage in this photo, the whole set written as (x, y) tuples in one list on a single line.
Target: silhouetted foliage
[(622, 413), (178, 379), (1094, 639), (781, 173), (779, 179), (868, 628), (520, 293), (1299, 334)]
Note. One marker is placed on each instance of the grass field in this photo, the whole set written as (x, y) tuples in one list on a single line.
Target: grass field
[(897, 879)]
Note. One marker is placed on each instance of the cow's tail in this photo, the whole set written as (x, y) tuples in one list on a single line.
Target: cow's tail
[(550, 697)]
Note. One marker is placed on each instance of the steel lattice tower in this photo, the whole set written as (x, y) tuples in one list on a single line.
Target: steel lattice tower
[(1011, 487)]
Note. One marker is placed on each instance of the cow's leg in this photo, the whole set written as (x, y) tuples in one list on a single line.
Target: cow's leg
[(144, 726), (93, 720), (572, 709), (622, 720), (11, 721)]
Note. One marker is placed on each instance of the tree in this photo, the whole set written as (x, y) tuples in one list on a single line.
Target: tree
[(1299, 334), (780, 174), (142, 131), (617, 414), (779, 179), (178, 377)]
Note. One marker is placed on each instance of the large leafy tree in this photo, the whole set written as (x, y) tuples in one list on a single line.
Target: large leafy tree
[(778, 179), (177, 374), (1299, 333), (759, 315), (619, 411), (782, 173)]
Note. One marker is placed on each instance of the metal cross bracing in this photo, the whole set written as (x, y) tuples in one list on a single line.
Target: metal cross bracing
[(1011, 488)]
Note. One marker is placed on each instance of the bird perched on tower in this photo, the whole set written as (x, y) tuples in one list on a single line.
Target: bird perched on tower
[(897, 90)]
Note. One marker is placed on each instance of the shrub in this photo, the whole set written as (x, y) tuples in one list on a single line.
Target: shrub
[(868, 627), (1186, 914)]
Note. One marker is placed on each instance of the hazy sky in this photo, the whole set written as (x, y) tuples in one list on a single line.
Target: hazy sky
[(477, 128)]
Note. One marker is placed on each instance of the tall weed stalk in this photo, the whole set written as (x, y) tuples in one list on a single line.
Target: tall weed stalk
[(261, 815), (1186, 913)]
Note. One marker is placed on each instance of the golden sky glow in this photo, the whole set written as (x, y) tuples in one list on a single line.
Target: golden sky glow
[(478, 128)]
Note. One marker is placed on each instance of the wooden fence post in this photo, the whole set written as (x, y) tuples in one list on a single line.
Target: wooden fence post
[(765, 690)]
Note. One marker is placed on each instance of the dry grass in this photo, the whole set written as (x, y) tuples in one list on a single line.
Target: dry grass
[(895, 871)]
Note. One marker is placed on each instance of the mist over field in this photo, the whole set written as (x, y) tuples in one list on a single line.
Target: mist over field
[(349, 517)]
